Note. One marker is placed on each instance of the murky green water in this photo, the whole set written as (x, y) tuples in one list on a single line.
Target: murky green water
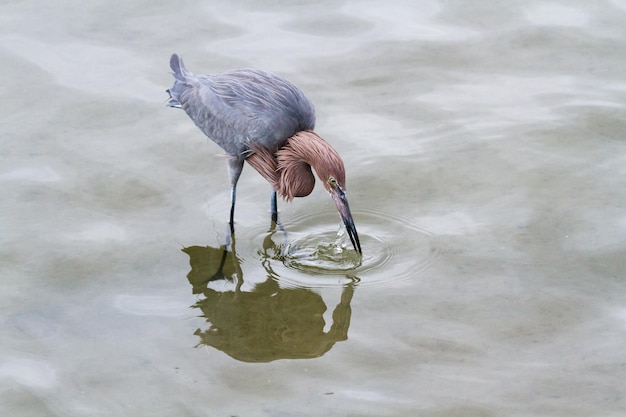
[(485, 150)]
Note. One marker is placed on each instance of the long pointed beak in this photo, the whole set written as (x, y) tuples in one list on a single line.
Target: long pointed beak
[(341, 201)]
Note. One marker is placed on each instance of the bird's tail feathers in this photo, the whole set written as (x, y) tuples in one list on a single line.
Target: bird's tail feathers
[(182, 76), (178, 69), (172, 102)]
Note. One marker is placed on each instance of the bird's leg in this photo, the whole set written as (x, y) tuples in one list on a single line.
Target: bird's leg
[(230, 229), (274, 208), (274, 211), (235, 166), (233, 197), (275, 222)]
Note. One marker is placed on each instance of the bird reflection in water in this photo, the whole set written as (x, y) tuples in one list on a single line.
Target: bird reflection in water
[(267, 323)]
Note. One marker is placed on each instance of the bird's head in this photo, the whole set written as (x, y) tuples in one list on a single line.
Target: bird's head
[(305, 150)]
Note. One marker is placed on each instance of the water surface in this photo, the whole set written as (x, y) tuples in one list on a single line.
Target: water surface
[(485, 151)]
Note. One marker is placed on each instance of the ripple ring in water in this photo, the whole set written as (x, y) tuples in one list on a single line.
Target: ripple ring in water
[(394, 249)]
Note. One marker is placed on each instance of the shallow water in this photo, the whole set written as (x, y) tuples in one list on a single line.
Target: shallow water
[(486, 160)]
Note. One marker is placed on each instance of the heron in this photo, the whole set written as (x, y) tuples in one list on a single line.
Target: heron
[(265, 120)]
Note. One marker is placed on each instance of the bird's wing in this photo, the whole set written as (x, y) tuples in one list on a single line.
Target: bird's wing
[(241, 107)]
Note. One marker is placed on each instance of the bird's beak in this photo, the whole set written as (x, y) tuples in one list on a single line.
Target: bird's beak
[(341, 201)]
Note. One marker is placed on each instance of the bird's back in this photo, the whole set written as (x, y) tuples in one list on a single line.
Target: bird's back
[(238, 108)]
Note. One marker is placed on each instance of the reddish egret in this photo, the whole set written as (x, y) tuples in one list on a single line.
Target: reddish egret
[(264, 119)]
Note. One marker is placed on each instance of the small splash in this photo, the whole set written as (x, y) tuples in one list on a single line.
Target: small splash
[(320, 254), (394, 250)]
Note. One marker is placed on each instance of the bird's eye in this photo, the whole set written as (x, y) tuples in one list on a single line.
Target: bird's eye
[(332, 181)]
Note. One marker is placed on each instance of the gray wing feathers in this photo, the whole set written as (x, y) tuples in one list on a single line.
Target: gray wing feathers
[(237, 108)]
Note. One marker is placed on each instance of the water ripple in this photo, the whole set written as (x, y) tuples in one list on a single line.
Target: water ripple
[(394, 250)]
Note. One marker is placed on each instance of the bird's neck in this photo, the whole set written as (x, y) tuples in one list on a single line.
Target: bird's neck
[(307, 146), (289, 169)]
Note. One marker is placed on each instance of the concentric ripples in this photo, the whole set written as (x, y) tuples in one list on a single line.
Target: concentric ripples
[(394, 250)]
